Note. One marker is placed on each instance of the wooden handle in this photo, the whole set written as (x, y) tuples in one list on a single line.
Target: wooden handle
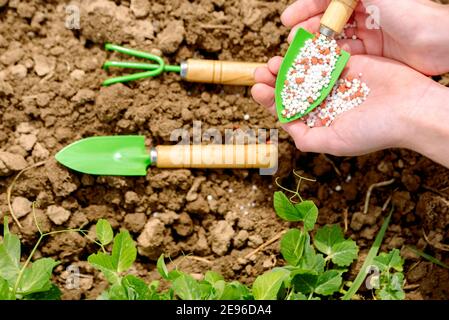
[(221, 72), (217, 156), (338, 14)]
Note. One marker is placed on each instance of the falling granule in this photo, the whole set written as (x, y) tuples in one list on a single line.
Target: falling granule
[(347, 94), (343, 35), (309, 75)]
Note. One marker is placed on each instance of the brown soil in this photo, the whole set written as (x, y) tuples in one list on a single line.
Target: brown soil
[(50, 96)]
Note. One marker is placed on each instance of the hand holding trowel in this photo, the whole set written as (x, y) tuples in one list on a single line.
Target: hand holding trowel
[(193, 70), (128, 156)]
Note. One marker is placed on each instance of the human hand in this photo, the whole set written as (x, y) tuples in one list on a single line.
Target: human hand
[(402, 110), (411, 31)]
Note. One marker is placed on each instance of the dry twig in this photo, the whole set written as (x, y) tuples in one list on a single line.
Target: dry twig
[(439, 246), (266, 244), (9, 191), (370, 190)]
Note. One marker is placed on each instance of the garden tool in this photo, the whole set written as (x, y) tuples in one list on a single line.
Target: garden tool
[(128, 156), (193, 70), (331, 24)]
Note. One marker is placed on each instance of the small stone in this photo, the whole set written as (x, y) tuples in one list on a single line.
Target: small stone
[(186, 114), (25, 10), (338, 188), (84, 95), (18, 72), (246, 117), (131, 197), (27, 141), (43, 65), (135, 222), (151, 239), (12, 56), (255, 241), (3, 3), (140, 8), (58, 214), (24, 127), (199, 206), (43, 99), (39, 152), (21, 206), (184, 225), (156, 52), (77, 74), (240, 238), (11, 162), (171, 37), (221, 234)]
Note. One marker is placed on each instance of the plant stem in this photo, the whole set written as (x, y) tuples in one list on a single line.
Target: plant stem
[(22, 270)]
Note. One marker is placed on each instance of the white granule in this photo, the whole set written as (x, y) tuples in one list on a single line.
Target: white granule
[(347, 94), (309, 75), (343, 35)]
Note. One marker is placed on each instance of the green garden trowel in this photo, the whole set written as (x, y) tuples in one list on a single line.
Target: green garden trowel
[(331, 24), (128, 156)]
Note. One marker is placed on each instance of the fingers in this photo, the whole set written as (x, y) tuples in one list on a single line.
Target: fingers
[(274, 64), (302, 10), (354, 47), (319, 140), (264, 75), (263, 94), (312, 25)]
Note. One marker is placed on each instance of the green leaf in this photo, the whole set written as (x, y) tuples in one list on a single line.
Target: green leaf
[(52, 294), (105, 264), (296, 296), (163, 271), (135, 288), (284, 208), (325, 284), (9, 255), (304, 281), (392, 289), (292, 246), (115, 292), (5, 291), (309, 213), (328, 283), (37, 277), (330, 241), (311, 260), (326, 237), (206, 289), (104, 232), (230, 291), (186, 288), (124, 251), (428, 257), (344, 253), (268, 285), (161, 267), (212, 277), (391, 260)]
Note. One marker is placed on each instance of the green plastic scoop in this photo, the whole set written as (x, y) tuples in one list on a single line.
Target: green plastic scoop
[(122, 155), (295, 48), (128, 156)]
